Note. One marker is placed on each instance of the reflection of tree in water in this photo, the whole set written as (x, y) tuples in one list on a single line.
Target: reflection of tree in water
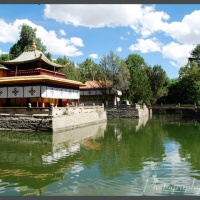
[(21, 161), (119, 149), (188, 136), (122, 148), (34, 160)]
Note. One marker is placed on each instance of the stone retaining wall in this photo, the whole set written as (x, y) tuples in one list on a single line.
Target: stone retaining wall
[(67, 118), (129, 112), (36, 123), (50, 122), (63, 122)]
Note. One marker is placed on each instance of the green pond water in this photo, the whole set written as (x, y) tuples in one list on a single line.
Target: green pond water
[(121, 157)]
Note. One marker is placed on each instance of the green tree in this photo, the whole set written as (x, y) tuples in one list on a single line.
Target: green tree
[(140, 89), (115, 73), (27, 37), (186, 89), (63, 61), (157, 77), (190, 71), (89, 70), (48, 55), (69, 69), (195, 53), (122, 78), (4, 57)]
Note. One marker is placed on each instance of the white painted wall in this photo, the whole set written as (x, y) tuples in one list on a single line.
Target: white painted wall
[(39, 91)]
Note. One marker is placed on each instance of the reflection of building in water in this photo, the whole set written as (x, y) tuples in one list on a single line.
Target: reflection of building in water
[(142, 121), (131, 124), (34, 160), (78, 135), (73, 140)]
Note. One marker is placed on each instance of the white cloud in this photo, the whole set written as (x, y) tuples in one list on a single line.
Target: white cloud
[(77, 41), (177, 53), (9, 32), (62, 32), (119, 49), (146, 45), (150, 22), (144, 20), (94, 55), (105, 15), (186, 31), (54, 44)]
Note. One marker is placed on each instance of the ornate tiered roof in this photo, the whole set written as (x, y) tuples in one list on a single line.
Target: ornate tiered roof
[(30, 56), (34, 67)]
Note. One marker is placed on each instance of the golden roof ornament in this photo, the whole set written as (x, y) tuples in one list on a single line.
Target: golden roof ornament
[(34, 46)]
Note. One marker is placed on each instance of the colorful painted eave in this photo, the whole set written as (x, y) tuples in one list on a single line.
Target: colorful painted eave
[(39, 79)]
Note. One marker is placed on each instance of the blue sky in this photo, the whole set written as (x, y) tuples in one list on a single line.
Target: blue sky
[(162, 34)]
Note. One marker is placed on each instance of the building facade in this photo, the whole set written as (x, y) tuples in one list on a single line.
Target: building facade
[(93, 91), (32, 79)]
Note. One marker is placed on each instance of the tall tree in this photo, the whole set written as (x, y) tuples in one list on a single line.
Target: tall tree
[(114, 73), (113, 69), (122, 78), (158, 78), (139, 90), (27, 37), (195, 53), (89, 70)]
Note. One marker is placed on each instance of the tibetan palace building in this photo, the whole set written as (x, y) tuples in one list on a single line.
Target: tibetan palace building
[(33, 78)]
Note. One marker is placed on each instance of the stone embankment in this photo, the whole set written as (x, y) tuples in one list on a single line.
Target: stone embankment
[(26, 123), (128, 111), (55, 119), (79, 117)]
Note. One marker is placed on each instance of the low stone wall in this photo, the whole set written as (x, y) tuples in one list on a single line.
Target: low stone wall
[(55, 111), (63, 122), (26, 123), (59, 119), (59, 111), (128, 112), (125, 113), (53, 123)]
